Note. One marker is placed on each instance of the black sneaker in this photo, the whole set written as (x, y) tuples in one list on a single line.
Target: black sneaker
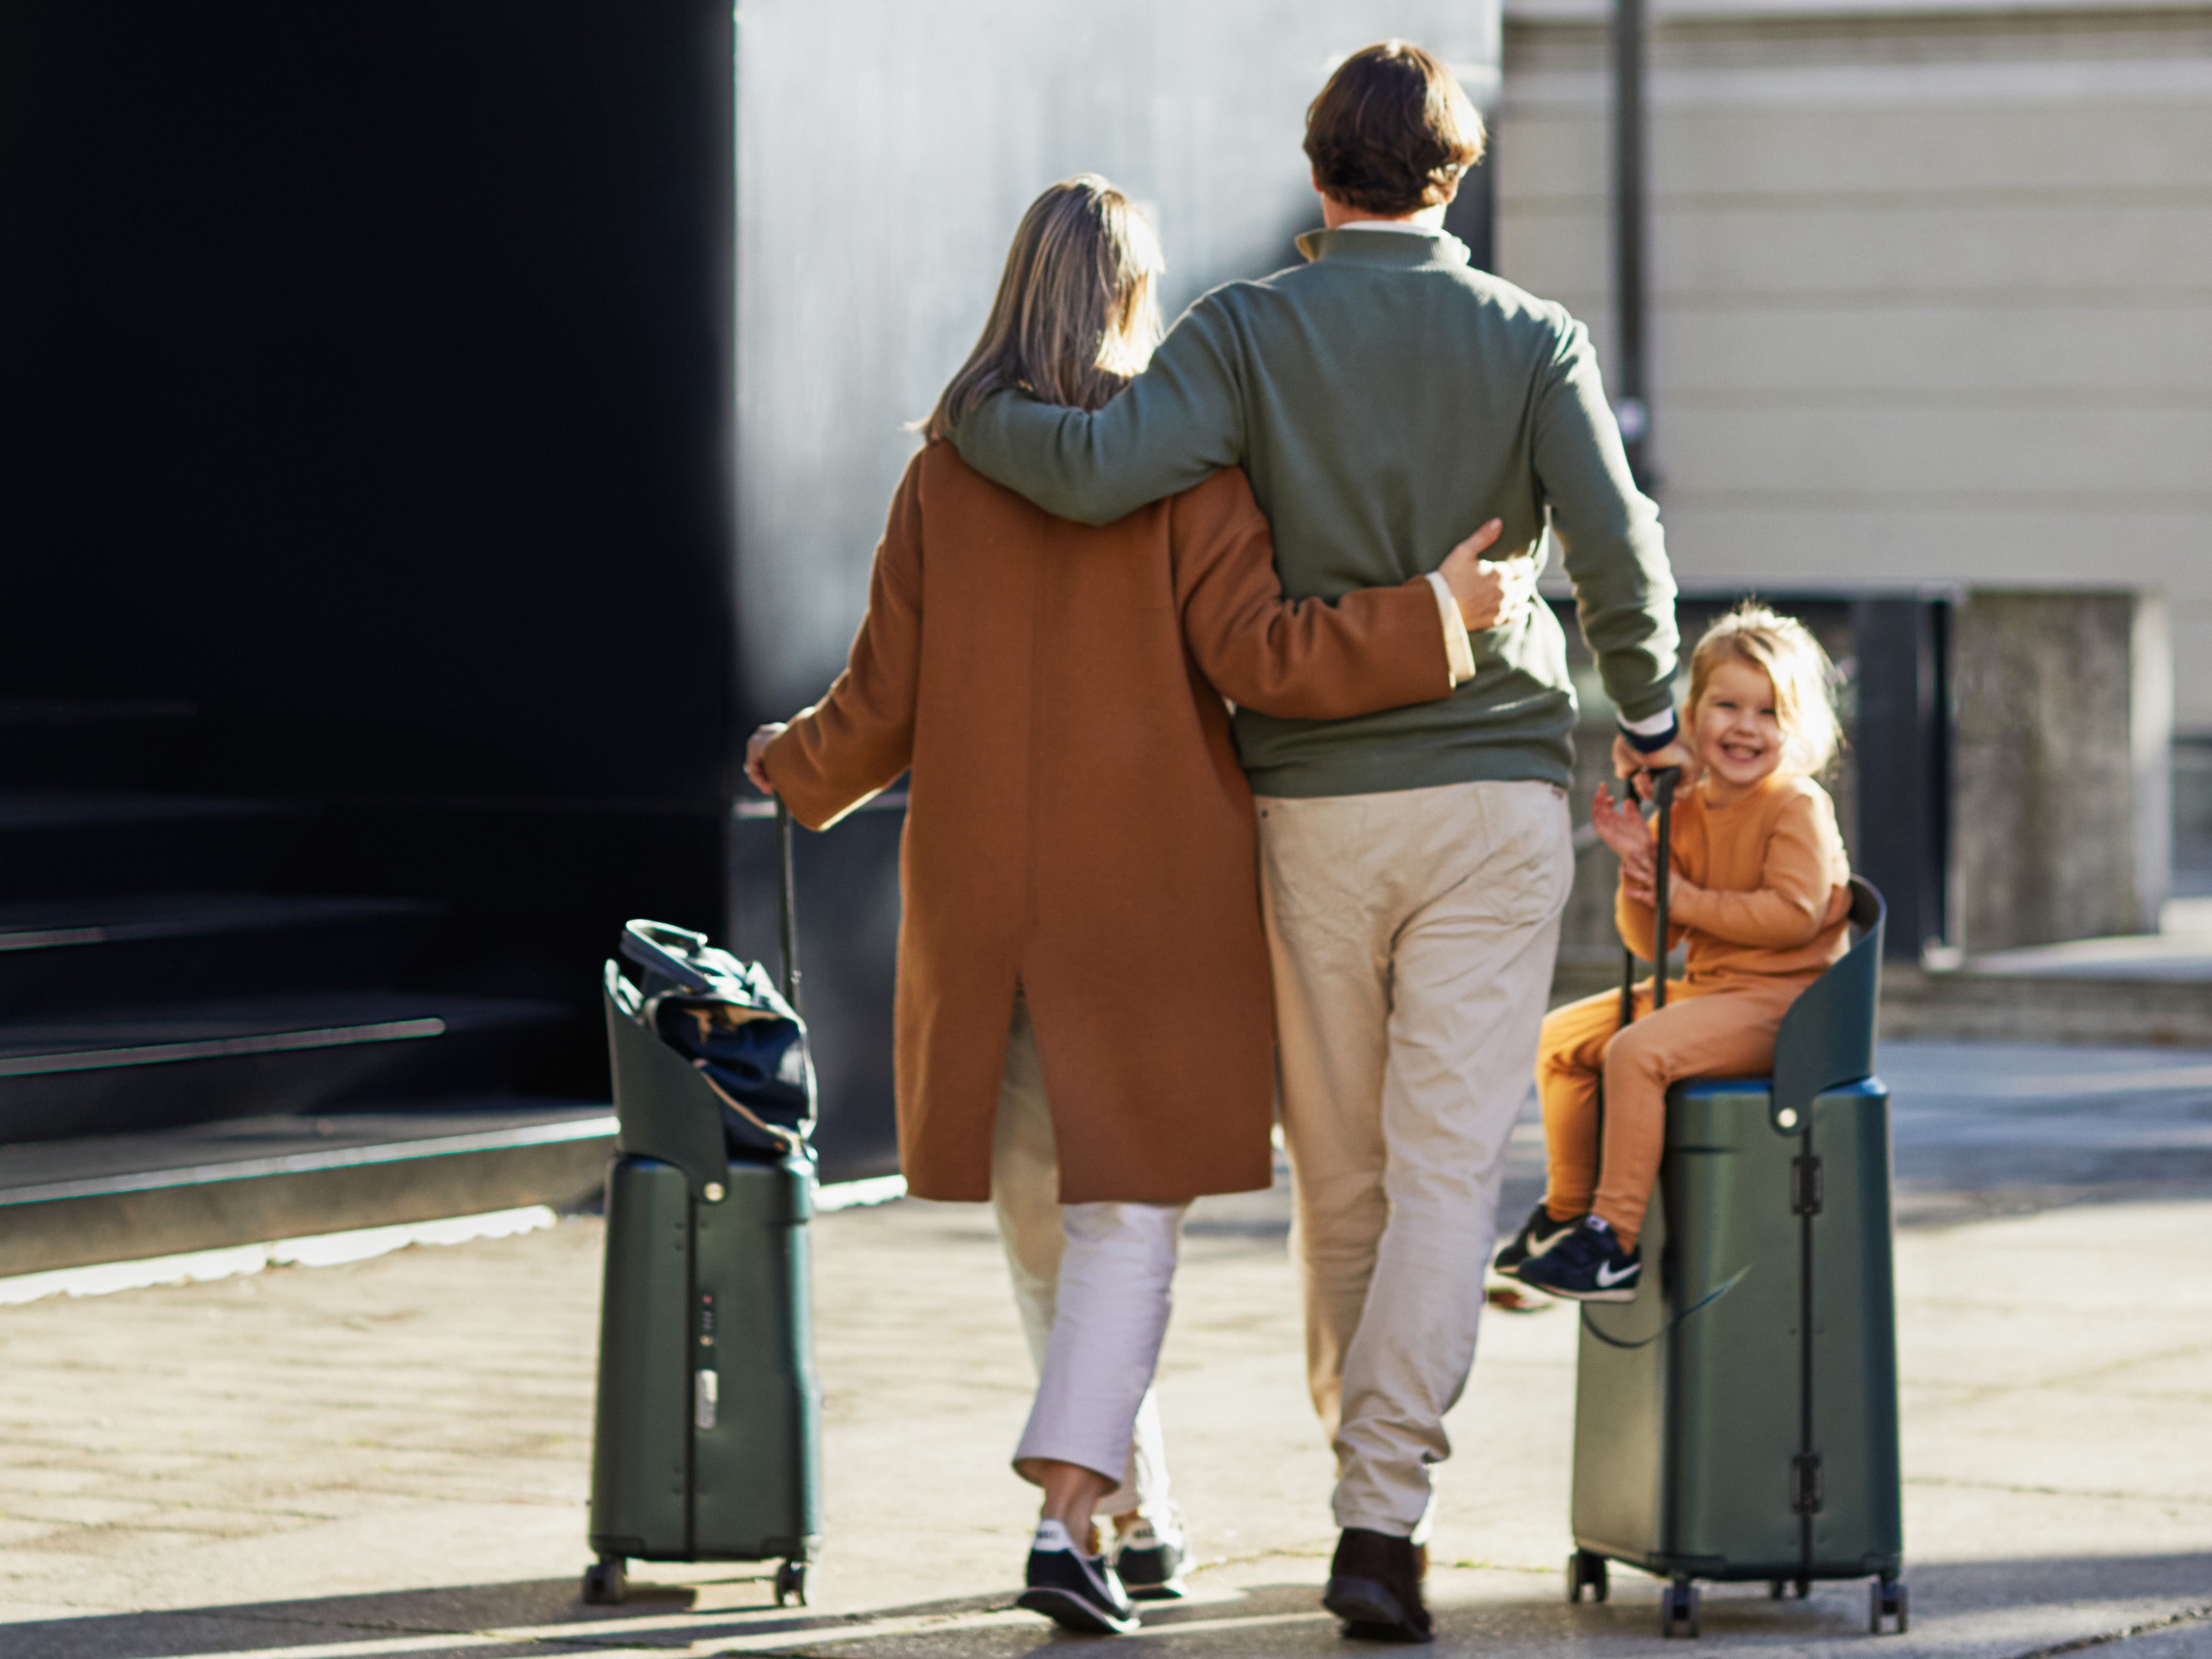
[(1588, 1265), (1537, 1235), (1152, 1559), (1077, 1592)]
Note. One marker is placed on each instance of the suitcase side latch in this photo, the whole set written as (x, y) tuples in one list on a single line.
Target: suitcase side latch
[(1805, 1484), (706, 1381), (1805, 1186)]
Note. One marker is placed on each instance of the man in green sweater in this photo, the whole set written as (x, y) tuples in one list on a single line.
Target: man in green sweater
[(1385, 400)]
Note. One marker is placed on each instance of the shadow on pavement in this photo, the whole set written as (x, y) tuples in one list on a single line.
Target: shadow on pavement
[(544, 1617)]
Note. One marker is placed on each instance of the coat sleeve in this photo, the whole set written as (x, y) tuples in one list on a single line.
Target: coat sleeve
[(1175, 424), (1796, 886), (1375, 648), (859, 738)]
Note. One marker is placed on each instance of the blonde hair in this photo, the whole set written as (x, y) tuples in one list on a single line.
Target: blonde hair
[(1078, 311), (1784, 650)]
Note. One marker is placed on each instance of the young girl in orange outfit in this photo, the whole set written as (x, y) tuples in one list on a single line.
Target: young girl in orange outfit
[(1757, 886)]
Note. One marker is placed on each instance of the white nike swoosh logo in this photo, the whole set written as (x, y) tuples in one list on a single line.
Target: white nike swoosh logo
[(1606, 1278)]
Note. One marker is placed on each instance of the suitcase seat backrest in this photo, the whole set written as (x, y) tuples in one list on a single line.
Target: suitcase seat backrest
[(1827, 1037)]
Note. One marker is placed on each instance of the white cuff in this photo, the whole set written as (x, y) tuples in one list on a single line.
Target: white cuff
[(1459, 650), (1651, 724)]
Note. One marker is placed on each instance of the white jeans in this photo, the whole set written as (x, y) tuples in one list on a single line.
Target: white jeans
[(1092, 1284)]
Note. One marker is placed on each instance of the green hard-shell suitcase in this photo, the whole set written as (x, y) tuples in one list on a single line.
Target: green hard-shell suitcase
[(1738, 1419), (706, 1442)]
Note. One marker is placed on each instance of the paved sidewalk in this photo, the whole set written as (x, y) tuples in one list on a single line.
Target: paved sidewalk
[(389, 1458)]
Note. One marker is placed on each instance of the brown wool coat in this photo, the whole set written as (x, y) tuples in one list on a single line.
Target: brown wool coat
[(1077, 821)]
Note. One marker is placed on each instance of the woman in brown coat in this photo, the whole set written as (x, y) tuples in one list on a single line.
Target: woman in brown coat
[(1084, 1017)]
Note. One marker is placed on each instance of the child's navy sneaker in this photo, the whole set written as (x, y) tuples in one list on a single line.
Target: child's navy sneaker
[(1537, 1235), (1076, 1591), (1588, 1265)]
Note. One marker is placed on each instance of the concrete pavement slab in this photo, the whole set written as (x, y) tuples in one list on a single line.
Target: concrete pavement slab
[(390, 1457)]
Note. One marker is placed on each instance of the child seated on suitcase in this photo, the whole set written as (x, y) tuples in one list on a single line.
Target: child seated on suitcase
[(1758, 886)]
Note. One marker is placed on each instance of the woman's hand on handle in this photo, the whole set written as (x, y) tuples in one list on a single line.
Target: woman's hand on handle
[(756, 757), (1491, 594)]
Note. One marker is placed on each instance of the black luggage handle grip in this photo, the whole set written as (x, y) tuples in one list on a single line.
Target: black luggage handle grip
[(1664, 780), (662, 948)]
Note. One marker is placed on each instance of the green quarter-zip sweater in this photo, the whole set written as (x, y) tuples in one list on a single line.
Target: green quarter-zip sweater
[(1385, 400)]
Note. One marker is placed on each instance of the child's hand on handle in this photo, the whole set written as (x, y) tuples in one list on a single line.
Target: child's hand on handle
[(756, 757), (1620, 826), (1491, 594)]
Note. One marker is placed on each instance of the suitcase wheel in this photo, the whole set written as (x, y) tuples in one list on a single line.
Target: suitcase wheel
[(1678, 1609), (605, 1584), (791, 1583), (1888, 1601), (1586, 1572)]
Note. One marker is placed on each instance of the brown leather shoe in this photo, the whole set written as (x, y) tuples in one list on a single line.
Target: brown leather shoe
[(1375, 1587)]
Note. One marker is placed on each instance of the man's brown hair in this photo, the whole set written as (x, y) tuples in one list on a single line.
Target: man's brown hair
[(1392, 132)]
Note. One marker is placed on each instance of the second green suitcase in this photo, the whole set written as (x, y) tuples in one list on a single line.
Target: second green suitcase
[(1738, 1419)]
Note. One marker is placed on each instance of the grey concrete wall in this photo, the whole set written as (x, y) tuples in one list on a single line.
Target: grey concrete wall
[(886, 151), (2062, 817), (1934, 285)]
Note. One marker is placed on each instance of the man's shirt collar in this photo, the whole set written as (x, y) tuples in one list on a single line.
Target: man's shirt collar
[(1411, 244)]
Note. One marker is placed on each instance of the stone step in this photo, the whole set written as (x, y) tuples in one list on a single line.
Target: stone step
[(147, 949), (1972, 1005), (71, 845), (122, 1197), (96, 742), (132, 1070)]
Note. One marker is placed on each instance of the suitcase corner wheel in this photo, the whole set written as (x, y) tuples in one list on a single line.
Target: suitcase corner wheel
[(1778, 1588), (607, 1581), (791, 1583), (1886, 1600), (1678, 1609), (1586, 1572)]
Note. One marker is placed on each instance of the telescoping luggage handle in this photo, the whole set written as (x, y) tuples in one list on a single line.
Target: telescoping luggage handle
[(669, 950), (787, 905), (1662, 791)]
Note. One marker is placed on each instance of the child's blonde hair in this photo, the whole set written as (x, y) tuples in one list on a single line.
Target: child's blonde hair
[(1784, 650)]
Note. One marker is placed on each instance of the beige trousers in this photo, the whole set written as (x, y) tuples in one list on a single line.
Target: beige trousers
[(1413, 936)]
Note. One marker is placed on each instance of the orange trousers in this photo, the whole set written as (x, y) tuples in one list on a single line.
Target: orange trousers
[(1709, 1028)]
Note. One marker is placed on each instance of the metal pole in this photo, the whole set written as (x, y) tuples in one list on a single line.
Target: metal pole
[(1631, 272)]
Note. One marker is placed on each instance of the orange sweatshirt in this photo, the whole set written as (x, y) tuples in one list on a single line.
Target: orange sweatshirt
[(1759, 887)]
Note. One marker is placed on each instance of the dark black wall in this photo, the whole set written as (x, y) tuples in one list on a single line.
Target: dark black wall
[(365, 384)]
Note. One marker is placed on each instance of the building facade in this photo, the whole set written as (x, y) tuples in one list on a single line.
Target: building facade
[(1931, 310)]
